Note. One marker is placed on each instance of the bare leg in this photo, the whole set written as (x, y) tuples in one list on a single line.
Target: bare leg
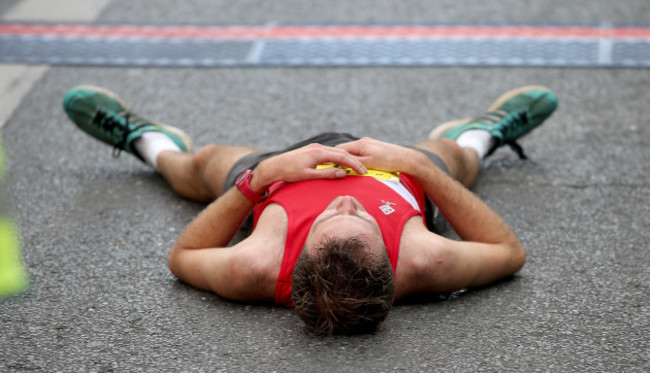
[(200, 176), (463, 163)]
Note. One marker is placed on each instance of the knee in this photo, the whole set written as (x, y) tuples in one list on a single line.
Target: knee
[(454, 150), (463, 163), (204, 155), (448, 150)]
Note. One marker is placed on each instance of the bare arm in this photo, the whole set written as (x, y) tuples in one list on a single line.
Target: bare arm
[(199, 256), (490, 250), (217, 224)]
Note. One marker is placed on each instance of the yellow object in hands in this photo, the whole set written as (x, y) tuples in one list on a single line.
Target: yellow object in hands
[(382, 175)]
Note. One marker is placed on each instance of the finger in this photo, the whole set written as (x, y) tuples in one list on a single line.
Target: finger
[(326, 173), (352, 147), (345, 159)]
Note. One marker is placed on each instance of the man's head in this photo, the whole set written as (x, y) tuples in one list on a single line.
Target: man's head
[(343, 281)]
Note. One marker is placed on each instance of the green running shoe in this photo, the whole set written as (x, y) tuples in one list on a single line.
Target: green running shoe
[(105, 116), (510, 117)]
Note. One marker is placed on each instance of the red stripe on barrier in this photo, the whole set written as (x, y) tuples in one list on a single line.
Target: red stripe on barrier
[(322, 32)]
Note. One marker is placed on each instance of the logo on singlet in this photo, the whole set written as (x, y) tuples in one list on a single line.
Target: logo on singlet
[(386, 208)]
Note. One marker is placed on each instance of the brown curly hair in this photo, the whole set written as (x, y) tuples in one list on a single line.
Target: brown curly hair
[(343, 288)]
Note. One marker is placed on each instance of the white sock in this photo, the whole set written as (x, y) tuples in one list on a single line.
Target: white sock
[(479, 140), (151, 144)]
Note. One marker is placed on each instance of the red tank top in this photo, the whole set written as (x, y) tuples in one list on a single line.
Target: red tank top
[(304, 201)]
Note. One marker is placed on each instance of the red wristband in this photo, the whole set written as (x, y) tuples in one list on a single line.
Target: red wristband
[(243, 183)]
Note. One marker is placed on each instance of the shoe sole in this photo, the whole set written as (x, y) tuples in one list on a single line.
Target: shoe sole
[(171, 129), (437, 132)]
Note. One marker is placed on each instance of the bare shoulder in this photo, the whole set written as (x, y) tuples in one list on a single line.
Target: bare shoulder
[(429, 263), (246, 271), (418, 247), (424, 260), (259, 257)]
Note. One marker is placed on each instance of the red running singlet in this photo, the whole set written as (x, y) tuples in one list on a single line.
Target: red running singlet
[(304, 201)]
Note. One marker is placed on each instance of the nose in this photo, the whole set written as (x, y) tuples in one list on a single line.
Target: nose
[(346, 206)]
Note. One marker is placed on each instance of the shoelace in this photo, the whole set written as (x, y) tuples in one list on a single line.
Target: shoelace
[(511, 126), (124, 121)]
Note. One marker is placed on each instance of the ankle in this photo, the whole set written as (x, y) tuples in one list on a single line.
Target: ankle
[(480, 141), (152, 144)]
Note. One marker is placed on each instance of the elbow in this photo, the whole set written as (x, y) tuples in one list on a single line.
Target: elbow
[(518, 257), (172, 261)]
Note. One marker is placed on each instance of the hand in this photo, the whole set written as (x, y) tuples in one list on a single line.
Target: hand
[(300, 164), (378, 155)]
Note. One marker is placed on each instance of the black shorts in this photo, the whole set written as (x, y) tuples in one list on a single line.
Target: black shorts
[(434, 219)]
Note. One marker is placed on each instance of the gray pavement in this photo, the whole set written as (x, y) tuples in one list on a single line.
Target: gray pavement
[(96, 230)]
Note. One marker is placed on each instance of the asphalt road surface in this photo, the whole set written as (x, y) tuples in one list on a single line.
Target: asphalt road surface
[(96, 230)]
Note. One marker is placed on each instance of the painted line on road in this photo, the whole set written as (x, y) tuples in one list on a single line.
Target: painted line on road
[(324, 45), (311, 32)]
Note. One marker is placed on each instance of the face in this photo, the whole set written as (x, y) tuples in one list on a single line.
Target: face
[(345, 217)]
